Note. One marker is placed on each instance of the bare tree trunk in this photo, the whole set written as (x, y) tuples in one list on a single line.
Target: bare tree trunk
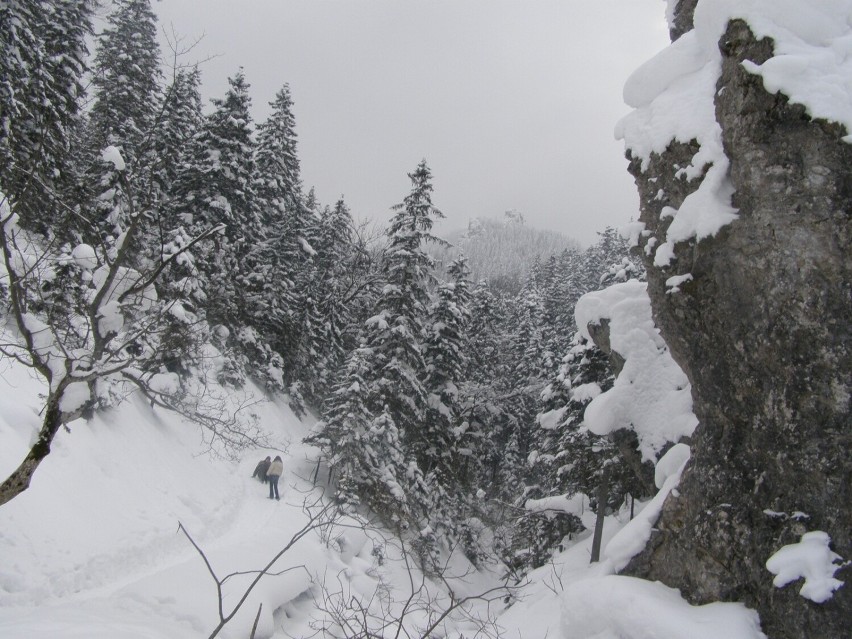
[(603, 493), (19, 480)]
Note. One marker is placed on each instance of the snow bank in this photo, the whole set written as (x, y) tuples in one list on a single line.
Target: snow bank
[(84, 256), (673, 94), (91, 549), (612, 607), (811, 559), (651, 395), (572, 599)]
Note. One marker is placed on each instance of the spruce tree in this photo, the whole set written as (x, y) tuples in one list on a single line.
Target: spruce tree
[(364, 451), (327, 308), (395, 333), (283, 308), (393, 369), (181, 121), (446, 365), (42, 61), (277, 178), (127, 79), (214, 189)]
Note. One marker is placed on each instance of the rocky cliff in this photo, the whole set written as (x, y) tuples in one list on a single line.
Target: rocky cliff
[(763, 330)]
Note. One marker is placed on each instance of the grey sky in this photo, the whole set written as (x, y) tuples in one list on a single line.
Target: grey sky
[(513, 104)]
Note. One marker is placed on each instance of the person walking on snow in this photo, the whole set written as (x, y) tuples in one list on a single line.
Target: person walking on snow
[(261, 469), (274, 474)]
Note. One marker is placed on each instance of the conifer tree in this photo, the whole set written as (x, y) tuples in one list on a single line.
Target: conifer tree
[(42, 60), (446, 365), (364, 452), (127, 79), (277, 179), (180, 122), (214, 188), (326, 290), (278, 272), (386, 459), (396, 332)]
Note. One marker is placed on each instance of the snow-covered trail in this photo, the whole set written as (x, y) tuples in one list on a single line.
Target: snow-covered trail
[(93, 548)]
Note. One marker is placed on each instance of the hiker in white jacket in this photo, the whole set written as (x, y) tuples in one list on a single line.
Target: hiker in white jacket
[(273, 475)]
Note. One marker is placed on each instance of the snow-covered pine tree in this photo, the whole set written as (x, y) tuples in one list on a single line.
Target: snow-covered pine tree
[(42, 60), (529, 368), (446, 364), (561, 289), (325, 298), (565, 457), (277, 177), (273, 269), (595, 262), (214, 188), (127, 104), (181, 121), (396, 331), (488, 395), (364, 452), (126, 79), (393, 368)]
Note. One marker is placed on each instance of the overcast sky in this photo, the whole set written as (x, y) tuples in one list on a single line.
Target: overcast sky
[(513, 104)]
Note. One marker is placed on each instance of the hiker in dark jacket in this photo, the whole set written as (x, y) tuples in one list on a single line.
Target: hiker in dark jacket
[(273, 474), (260, 470)]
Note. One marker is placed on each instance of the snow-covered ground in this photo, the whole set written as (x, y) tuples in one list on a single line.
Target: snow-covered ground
[(93, 549)]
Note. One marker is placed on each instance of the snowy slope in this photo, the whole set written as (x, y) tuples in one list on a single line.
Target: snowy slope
[(92, 549), (94, 540)]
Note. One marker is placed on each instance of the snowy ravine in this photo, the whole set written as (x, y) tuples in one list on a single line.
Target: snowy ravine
[(92, 549)]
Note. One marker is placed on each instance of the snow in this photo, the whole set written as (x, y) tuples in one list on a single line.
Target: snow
[(92, 550), (631, 539), (811, 559), (585, 392), (673, 94), (571, 599), (110, 318), (75, 397), (616, 607), (164, 383), (45, 347), (651, 395), (379, 321), (125, 279), (673, 284), (306, 247), (574, 505), (84, 256), (551, 419), (670, 463), (112, 155), (812, 64)]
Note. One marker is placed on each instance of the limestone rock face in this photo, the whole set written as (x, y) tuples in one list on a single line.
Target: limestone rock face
[(764, 333)]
